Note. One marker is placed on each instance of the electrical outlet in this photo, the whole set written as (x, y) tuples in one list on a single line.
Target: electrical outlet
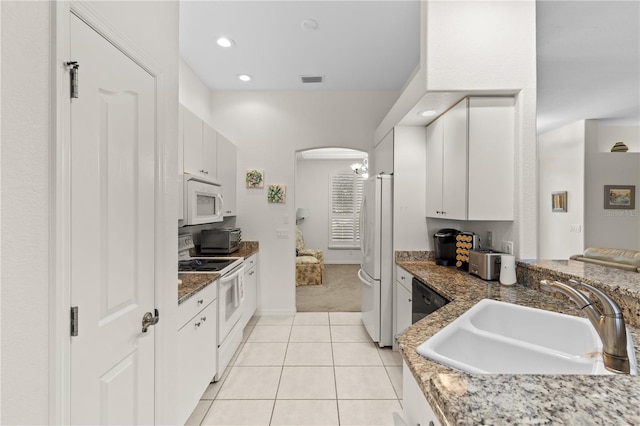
[(489, 239), (575, 228), (282, 233), (507, 247)]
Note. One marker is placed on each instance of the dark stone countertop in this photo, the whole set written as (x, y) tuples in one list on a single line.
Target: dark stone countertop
[(193, 283), (470, 399)]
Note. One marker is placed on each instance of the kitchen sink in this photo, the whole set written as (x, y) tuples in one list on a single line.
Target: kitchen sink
[(502, 338)]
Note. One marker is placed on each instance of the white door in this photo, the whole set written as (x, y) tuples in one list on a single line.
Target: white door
[(112, 234)]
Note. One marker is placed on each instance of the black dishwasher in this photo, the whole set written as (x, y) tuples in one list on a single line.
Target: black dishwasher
[(424, 300)]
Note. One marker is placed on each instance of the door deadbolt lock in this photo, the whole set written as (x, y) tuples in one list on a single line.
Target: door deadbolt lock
[(149, 319)]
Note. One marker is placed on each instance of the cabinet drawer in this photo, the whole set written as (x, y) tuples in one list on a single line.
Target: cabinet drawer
[(250, 262), (404, 278), (194, 304)]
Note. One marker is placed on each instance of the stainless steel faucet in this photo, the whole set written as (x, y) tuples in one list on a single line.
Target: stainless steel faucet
[(609, 323)]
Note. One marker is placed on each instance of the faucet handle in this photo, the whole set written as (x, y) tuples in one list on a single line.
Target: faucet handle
[(609, 306)]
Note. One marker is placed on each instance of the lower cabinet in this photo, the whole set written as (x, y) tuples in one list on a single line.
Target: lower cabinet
[(250, 288), (197, 352), (416, 409), (402, 301)]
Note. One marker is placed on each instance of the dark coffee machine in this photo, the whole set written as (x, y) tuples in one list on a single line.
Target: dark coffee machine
[(444, 242)]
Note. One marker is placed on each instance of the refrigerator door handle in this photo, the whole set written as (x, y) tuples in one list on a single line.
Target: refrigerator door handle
[(363, 279), (363, 226)]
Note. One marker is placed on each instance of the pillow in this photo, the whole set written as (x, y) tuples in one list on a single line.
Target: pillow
[(628, 257)]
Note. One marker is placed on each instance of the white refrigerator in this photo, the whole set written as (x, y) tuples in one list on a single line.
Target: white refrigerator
[(376, 269)]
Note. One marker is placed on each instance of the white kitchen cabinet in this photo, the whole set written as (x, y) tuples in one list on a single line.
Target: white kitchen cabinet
[(470, 161), (403, 302), (197, 352), (447, 164), (227, 174), (199, 145), (250, 288), (416, 409)]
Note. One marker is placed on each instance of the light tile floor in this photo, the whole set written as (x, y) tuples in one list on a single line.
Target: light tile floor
[(314, 368)]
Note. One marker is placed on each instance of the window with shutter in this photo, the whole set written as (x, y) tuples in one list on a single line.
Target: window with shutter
[(345, 191)]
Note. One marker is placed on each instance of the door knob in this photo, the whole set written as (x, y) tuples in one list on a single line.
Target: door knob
[(149, 319)]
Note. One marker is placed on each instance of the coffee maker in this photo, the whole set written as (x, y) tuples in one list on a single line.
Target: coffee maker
[(444, 242)]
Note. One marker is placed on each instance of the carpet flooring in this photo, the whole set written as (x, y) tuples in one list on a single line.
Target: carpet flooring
[(339, 292)]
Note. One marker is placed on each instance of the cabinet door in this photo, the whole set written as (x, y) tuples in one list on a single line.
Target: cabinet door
[(192, 139), (433, 202), (454, 159), (403, 308), (197, 352), (250, 291), (416, 409), (491, 162), (227, 175), (209, 151)]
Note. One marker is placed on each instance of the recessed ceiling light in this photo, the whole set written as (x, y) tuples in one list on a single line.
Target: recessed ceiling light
[(244, 77), (427, 113), (309, 24), (225, 42)]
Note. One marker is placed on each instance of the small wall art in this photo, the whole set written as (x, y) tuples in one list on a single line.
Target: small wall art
[(559, 201), (620, 197), (254, 178), (276, 194)]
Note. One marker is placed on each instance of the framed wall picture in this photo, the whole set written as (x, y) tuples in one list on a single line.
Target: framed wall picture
[(620, 197), (277, 194), (254, 178), (559, 201)]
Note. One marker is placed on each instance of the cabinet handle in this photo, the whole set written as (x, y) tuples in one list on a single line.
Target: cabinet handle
[(402, 277), (203, 319), (251, 273), (200, 302), (197, 324), (409, 300)]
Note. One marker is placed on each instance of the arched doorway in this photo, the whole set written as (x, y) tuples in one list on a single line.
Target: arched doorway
[(327, 243)]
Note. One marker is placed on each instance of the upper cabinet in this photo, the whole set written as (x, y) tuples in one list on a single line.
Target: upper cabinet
[(227, 174), (208, 154), (470, 161)]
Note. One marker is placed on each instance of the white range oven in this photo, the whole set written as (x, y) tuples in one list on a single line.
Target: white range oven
[(230, 297)]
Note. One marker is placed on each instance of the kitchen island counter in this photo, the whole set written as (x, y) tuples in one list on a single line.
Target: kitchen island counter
[(469, 399)]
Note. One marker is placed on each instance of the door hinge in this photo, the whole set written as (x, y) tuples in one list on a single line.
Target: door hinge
[(74, 321), (73, 71)]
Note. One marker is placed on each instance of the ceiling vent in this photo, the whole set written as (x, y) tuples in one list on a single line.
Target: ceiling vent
[(312, 79)]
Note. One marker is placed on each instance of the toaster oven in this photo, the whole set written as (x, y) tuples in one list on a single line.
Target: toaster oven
[(220, 240)]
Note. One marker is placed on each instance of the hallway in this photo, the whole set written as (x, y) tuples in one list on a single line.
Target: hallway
[(314, 368)]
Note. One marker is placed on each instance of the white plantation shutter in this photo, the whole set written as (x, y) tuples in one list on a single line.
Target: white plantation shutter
[(345, 191)]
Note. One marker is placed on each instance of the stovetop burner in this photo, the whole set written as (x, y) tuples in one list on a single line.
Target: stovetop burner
[(203, 265)]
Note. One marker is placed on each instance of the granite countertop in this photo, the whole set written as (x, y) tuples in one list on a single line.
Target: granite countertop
[(469, 399), (190, 284)]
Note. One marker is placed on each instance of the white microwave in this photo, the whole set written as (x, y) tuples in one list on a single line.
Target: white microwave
[(202, 201)]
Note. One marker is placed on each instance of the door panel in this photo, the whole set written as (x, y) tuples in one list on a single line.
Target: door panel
[(112, 234)]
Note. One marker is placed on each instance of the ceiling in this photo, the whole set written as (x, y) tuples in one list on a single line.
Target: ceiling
[(588, 51)]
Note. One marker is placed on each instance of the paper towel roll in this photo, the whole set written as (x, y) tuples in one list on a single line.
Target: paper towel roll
[(507, 269)]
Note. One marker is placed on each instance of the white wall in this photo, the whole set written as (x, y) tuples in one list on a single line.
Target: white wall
[(27, 203), (409, 192), (193, 93), (312, 193), (268, 128), (561, 167), (25, 212), (610, 228)]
